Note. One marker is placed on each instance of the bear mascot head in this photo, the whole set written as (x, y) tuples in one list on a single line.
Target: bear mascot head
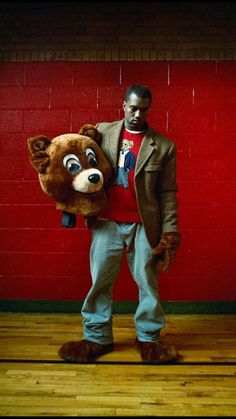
[(73, 170)]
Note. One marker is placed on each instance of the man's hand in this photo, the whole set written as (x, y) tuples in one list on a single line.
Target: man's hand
[(165, 251)]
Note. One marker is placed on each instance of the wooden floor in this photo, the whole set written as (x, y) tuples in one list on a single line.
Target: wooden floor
[(34, 381)]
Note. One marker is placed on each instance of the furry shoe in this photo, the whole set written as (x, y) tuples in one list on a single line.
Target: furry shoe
[(156, 352), (83, 351)]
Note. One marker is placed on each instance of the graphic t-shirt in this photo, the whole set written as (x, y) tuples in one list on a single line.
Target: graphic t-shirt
[(122, 205)]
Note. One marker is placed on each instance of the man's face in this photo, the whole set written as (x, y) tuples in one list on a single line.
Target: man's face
[(136, 111)]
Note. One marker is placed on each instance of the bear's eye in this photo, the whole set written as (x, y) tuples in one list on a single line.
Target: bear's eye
[(72, 163), (91, 157)]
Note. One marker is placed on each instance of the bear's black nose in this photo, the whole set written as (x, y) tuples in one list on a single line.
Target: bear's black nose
[(94, 178)]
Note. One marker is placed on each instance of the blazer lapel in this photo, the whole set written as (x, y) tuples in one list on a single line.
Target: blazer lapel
[(112, 143), (111, 146), (146, 149)]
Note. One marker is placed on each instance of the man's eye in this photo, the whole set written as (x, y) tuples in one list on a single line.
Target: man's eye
[(72, 163), (91, 157)]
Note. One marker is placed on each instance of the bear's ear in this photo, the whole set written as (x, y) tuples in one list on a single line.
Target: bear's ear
[(92, 132), (37, 152)]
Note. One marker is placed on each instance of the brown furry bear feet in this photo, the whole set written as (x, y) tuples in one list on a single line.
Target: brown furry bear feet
[(83, 351), (156, 352)]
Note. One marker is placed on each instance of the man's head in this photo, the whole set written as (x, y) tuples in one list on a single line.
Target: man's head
[(136, 106)]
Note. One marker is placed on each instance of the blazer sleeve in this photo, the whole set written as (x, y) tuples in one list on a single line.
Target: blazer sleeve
[(167, 190)]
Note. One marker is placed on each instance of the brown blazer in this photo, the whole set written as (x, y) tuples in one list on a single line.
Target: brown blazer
[(155, 178)]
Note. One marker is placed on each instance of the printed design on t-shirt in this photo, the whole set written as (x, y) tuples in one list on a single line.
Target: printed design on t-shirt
[(126, 163)]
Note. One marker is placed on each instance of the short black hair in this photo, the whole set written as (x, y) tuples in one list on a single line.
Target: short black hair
[(140, 91)]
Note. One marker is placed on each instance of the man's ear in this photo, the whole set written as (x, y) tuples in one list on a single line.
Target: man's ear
[(92, 132), (37, 152)]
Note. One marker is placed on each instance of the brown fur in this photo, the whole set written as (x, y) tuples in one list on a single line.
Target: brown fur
[(166, 249), (83, 351), (56, 181), (156, 352)]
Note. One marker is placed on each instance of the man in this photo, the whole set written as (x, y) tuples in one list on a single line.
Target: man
[(142, 217)]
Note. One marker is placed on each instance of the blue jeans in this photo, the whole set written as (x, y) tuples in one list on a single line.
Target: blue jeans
[(108, 241)]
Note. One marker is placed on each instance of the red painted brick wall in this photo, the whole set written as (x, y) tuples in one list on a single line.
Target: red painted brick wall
[(194, 105)]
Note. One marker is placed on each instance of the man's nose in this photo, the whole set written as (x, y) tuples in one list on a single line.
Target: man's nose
[(138, 113)]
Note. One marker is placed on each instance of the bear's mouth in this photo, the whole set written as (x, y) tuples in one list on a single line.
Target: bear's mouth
[(88, 193)]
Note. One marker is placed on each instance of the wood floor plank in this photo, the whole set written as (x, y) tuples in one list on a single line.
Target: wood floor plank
[(198, 338), (74, 389), (50, 387)]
